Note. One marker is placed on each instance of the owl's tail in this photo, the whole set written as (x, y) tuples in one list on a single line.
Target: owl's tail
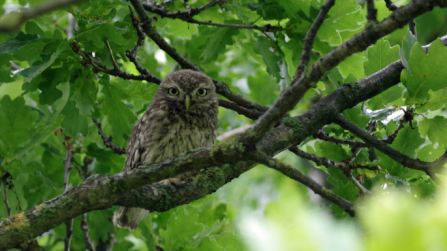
[(129, 217)]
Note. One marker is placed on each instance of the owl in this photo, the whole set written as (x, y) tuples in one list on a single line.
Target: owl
[(181, 117)]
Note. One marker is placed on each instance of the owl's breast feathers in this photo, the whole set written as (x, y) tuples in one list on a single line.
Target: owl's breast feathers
[(165, 132)]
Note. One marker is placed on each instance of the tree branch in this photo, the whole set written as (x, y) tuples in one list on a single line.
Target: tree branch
[(13, 21), (108, 141), (310, 37), (392, 7), (428, 167), (293, 173), (184, 14)]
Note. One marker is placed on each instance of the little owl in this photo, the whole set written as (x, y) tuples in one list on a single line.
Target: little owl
[(181, 117)]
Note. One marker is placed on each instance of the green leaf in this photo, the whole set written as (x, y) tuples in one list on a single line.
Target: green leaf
[(380, 55), (356, 116), (106, 161), (351, 65), (18, 42), (264, 47), (48, 60), (181, 228), (429, 153), (85, 91), (230, 241), (331, 151), (408, 42), (93, 35), (435, 129), (15, 121), (74, 122), (263, 88), (292, 7), (436, 101), (119, 116), (216, 41), (344, 15), (382, 99), (428, 72)]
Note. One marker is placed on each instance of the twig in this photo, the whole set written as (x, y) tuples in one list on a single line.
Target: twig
[(67, 167), (320, 161), (99, 67), (321, 134), (115, 65), (223, 89), (5, 197), (392, 7), (151, 31), (132, 55), (184, 14), (293, 173), (361, 188), (310, 37), (69, 234), (251, 114), (13, 21), (68, 223), (108, 140), (371, 15), (85, 230), (264, 28), (106, 245), (430, 168)]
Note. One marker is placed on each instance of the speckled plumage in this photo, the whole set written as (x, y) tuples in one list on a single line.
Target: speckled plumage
[(168, 129)]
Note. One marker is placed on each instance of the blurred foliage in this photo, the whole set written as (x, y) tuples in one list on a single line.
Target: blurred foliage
[(46, 86)]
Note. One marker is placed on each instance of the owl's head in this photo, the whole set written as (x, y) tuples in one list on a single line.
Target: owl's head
[(187, 90)]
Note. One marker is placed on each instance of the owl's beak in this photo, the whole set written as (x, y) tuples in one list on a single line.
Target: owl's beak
[(187, 101)]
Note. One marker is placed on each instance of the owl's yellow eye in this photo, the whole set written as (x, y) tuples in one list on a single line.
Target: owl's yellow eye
[(202, 92), (173, 91)]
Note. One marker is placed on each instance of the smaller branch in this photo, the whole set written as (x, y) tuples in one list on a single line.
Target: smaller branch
[(68, 223), (5, 197), (108, 140), (249, 113), (293, 173), (310, 37), (151, 31), (431, 168), (361, 188), (106, 245), (223, 89), (264, 28), (392, 7), (321, 134), (132, 55), (85, 230), (371, 15), (69, 234), (67, 167), (13, 21), (115, 65), (165, 3), (320, 161), (187, 16), (184, 14), (99, 67), (390, 139)]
